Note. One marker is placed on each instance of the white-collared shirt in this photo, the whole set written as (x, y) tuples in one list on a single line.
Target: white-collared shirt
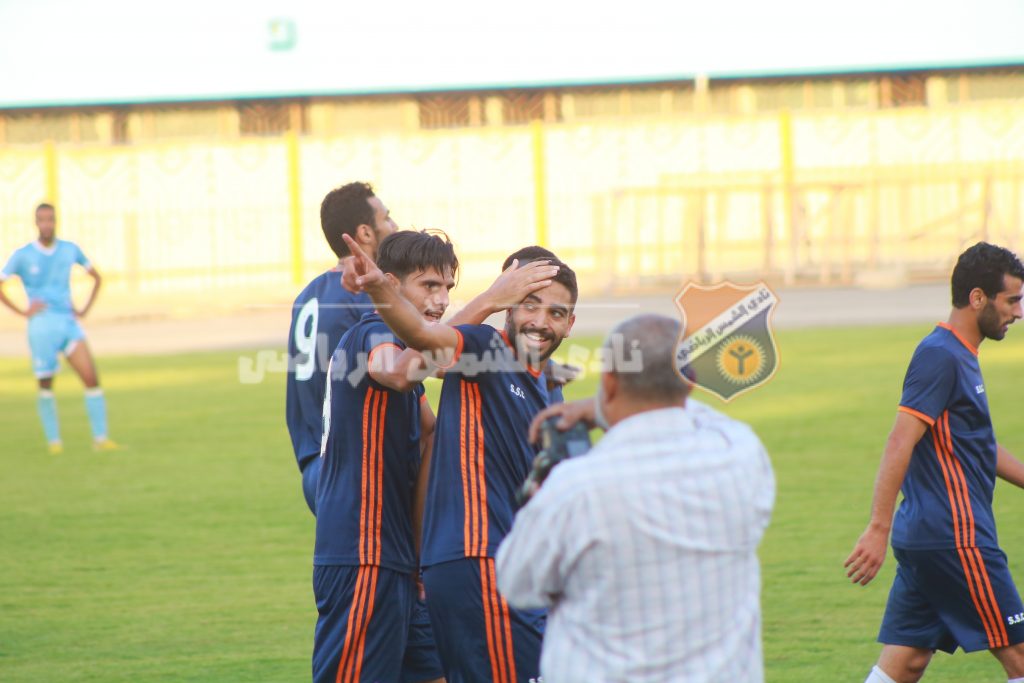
[(645, 552)]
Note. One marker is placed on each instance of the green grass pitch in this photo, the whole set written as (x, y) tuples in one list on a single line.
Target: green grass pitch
[(186, 557)]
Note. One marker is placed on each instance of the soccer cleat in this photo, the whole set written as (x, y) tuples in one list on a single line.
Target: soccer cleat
[(56, 448), (105, 445)]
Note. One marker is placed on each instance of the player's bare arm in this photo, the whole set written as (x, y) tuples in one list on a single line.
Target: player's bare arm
[(869, 553), (396, 368), (1008, 467), (427, 421), (33, 306), (96, 281), (401, 316), (570, 413)]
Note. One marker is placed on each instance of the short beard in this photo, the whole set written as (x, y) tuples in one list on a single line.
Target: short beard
[(531, 357), (988, 323)]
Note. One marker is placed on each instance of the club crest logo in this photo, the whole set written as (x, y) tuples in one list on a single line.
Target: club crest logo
[(727, 345)]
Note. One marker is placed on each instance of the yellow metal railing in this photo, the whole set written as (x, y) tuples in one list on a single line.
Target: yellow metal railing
[(802, 197)]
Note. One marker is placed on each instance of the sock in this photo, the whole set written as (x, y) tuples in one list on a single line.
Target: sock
[(1015, 680), (878, 676), (47, 405), (96, 406)]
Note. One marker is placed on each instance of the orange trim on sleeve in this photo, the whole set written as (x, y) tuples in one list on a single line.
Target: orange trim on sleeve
[(458, 351), (918, 414), (970, 347), (379, 347)]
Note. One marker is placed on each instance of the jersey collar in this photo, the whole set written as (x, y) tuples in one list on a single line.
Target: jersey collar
[(970, 347), (46, 250)]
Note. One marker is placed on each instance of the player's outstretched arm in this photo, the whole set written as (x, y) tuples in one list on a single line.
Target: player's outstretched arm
[(869, 553), (401, 316), (1009, 468), (96, 281), (396, 368), (511, 287)]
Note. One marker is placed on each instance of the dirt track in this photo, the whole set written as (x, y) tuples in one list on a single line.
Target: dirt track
[(267, 326)]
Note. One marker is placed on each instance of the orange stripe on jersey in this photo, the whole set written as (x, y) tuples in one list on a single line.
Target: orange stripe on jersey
[(918, 414), (959, 471), (372, 592), (478, 420), (957, 513), (490, 626), (505, 621), (464, 462), (971, 576), (474, 468), (363, 500), (978, 583), (1002, 639), (345, 664), (379, 462)]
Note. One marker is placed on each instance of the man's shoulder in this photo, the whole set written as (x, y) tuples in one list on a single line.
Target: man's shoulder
[(327, 288)]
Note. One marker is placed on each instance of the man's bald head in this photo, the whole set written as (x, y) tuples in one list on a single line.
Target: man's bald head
[(655, 337)]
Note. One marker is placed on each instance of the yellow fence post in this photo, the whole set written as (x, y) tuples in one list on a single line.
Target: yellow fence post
[(788, 190), (295, 205), (540, 195), (52, 186)]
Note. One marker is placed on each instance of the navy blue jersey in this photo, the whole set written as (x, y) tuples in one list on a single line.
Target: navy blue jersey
[(947, 492), (481, 451), (371, 459), (322, 313)]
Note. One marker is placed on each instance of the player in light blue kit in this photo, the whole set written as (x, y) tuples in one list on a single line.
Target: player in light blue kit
[(44, 267)]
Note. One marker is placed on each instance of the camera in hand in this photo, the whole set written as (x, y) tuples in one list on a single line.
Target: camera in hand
[(556, 446)]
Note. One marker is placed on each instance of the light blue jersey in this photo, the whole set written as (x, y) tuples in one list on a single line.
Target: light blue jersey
[(46, 272)]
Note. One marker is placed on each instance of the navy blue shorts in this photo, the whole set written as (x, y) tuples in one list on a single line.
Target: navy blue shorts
[(310, 477), (941, 599), (479, 637), (365, 631)]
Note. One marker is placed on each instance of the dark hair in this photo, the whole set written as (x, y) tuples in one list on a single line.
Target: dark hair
[(342, 211), (409, 251), (566, 276), (983, 266), (45, 205)]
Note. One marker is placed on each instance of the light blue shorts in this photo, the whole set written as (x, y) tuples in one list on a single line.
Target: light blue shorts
[(48, 335)]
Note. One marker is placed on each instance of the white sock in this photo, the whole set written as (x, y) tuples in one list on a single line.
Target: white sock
[(1015, 680), (878, 676)]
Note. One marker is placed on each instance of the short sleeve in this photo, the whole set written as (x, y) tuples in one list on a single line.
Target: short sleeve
[(475, 339), (13, 266), (929, 383), (80, 257)]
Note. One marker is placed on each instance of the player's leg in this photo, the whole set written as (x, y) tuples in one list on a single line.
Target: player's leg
[(362, 625), (1012, 659), (44, 346), (900, 664), (422, 663), (310, 477), (912, 628), (81, 360), (479, 637)]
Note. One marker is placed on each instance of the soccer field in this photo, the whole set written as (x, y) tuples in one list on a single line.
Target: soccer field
[(187, 556)]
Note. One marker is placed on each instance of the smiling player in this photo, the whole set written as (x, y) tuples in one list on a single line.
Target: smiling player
[(493, 387)]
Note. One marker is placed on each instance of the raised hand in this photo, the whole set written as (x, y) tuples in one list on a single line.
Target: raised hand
[(348, 274), (516, 283), (368, 275)]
